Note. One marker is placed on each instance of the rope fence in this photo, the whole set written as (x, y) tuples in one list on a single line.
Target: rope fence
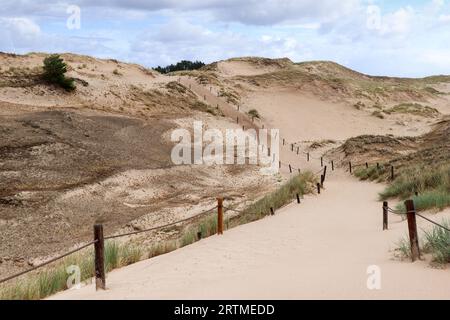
[(411, 214), (101, 240)]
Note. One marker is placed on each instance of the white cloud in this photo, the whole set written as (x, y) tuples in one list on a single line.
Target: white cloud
[(19, 32)]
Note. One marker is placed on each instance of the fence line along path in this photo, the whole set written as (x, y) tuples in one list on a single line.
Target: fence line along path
[(322, 248)]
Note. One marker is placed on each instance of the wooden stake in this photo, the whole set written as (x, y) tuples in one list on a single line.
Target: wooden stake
[(318, 187), (99, 251), (290, 169), (392, 173), (321, 161), (385, 215), (350, 166), (332, 165), (412, 229), (298, 198), (219, 216)]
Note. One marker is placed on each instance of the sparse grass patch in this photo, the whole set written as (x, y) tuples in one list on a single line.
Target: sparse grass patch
[(414, 109), (430, 199), (431, 183), (301, 184), (50, 280), (254, 113), (372, 173), (435, 242), (378, 114)]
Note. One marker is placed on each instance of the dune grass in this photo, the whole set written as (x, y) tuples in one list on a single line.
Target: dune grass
[(50, 280), (431, 183), (435, 242), (301, 184)]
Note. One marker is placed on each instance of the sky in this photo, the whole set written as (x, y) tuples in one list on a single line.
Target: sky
[(378, 37)]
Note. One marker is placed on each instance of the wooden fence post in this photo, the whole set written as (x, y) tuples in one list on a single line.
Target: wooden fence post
[(99, 249), (385, 215), (290, 169), (219, 216), (321, 161), (307, 156), (392, 173), (367, 165), (350, 166), (412, 229), (268, 152), (332, 165), (318, 188), (292, 147), (272, 212), (324, 173), (322, 179), (298, 198)]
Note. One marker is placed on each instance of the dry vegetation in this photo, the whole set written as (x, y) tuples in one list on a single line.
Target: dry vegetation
[(421, 165)]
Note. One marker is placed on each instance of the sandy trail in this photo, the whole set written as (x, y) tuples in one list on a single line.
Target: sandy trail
[(319, 249)]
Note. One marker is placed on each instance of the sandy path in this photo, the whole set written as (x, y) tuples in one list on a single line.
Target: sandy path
[(319, 249)]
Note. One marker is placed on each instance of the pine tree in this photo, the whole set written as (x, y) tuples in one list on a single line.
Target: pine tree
[(54, 72)]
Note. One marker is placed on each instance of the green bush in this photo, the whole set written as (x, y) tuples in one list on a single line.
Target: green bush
[(54, 72)]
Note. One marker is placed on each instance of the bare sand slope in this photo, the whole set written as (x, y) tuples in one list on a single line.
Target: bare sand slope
[(319, 249), (300, 115)]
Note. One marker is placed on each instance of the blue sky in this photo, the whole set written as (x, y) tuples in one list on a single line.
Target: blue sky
[(381, 37)]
